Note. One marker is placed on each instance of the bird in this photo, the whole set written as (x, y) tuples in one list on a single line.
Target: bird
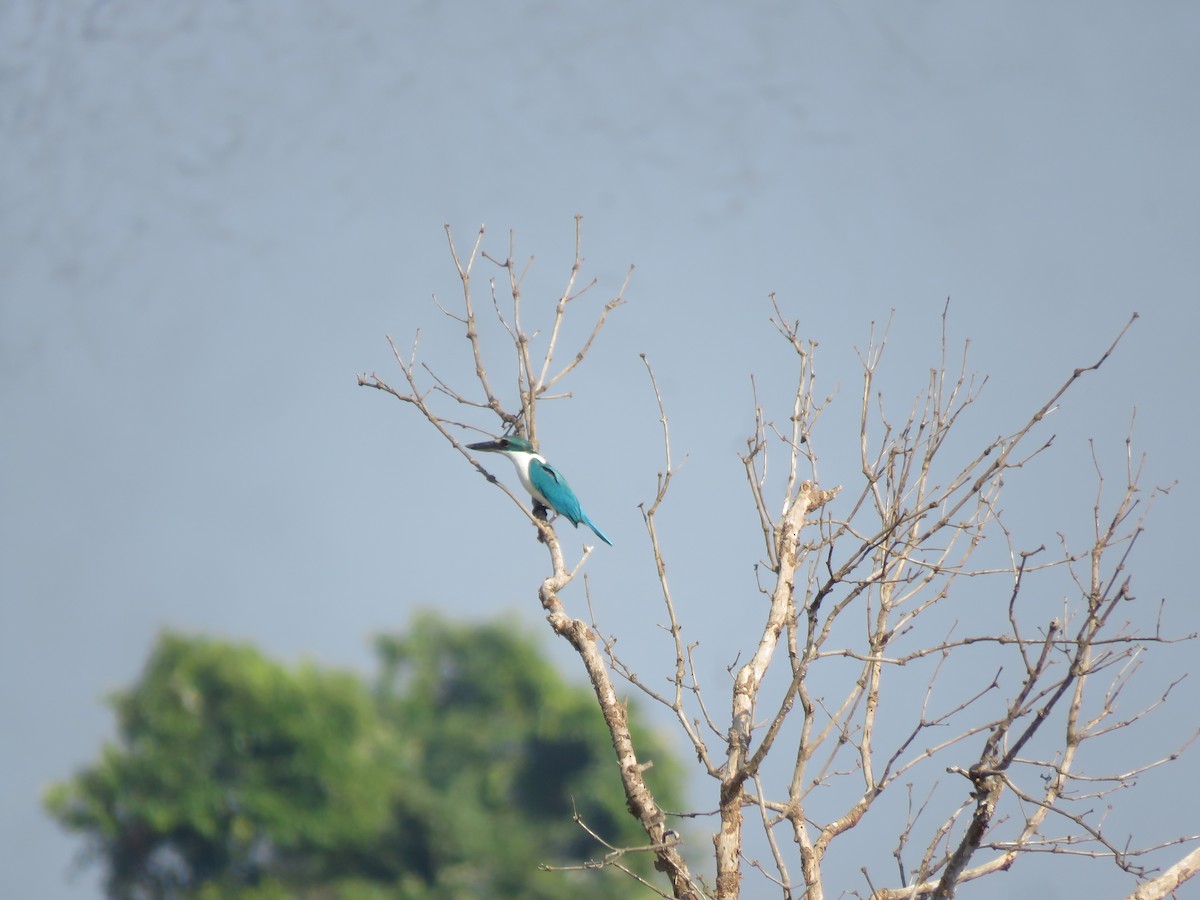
[(544, 482)]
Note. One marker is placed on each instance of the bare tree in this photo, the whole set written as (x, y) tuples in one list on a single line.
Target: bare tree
[(868, 588)]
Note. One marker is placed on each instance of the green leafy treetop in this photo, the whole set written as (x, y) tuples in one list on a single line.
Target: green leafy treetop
[(236, 776)]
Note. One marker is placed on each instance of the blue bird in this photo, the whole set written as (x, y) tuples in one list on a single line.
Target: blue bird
[(544, 482)]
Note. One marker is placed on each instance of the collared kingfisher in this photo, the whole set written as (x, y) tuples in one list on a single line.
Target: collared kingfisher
[(544, 482)]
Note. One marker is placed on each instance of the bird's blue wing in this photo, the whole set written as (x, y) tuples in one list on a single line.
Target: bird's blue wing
[(554, 488), (550, 483)]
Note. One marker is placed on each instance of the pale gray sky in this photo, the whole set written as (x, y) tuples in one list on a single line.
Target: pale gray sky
[(212, 212)]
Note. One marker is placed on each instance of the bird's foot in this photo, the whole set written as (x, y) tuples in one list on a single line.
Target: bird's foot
[(542, 514)]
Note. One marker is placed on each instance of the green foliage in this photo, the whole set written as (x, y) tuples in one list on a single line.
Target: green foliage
[(230, 767), (235, 776), (514, 749)]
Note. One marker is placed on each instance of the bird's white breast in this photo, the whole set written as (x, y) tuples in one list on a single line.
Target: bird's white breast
[(521, 460)]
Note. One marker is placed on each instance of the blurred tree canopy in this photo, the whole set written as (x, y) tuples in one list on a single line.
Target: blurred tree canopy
[(453, 776)]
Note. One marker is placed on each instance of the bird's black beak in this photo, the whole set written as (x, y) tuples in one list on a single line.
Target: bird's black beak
[(487, 446)]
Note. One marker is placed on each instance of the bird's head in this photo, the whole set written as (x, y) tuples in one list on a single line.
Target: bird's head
[(510, 442)]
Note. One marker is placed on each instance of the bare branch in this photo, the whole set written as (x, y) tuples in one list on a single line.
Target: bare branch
[(1169, 881), (871, 595)]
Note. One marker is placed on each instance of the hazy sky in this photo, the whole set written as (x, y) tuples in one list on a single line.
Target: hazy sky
[(213, 212)]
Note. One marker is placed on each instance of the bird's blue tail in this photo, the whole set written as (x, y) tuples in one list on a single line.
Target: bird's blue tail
[(600, 534)]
